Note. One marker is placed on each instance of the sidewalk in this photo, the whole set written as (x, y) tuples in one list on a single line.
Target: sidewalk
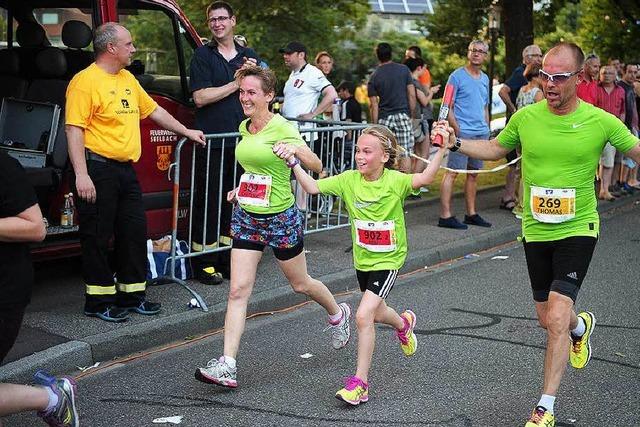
[(57, 336)]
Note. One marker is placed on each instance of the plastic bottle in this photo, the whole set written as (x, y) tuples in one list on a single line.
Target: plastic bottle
[(336, 110)]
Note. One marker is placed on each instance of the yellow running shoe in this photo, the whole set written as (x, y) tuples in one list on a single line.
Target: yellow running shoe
[(408, 340), (355, 391), (580, 353), (541, 418)]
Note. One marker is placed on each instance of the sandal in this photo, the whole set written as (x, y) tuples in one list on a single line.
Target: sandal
[(507, 205)]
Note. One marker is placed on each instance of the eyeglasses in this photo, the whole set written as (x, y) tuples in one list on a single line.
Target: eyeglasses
[(558, 77), (537, 55), (480, 51), (219, 19)]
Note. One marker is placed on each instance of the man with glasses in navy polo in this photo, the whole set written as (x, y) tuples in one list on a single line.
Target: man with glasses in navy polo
[(215, 93), (561, 139)]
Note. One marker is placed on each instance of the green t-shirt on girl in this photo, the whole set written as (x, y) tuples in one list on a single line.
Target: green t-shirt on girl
[(377, 216), (265, 186), (560, 156)]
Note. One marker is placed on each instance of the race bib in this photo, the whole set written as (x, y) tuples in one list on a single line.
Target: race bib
[(376, 236), (553, 205), (254, 190)]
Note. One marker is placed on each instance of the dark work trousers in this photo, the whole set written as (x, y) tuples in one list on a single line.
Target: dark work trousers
[(217, 202), (10, 322), (119, 213)]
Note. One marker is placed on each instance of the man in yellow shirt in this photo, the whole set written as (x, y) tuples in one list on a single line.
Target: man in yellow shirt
[(104, 106)]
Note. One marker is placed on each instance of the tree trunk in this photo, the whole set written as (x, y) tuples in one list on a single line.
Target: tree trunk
[(517, 19)]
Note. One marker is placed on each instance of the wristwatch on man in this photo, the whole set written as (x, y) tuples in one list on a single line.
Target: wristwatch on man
[(457, 145)]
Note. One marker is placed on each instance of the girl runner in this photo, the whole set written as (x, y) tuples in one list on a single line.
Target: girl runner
[(265, 215), (374, 196)]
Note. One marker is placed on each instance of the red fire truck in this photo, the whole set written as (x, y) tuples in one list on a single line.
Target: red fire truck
[(43, 43)]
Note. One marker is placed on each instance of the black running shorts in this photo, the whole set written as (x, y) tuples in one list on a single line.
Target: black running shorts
[(379, 282), (558, 265), (282, 254)]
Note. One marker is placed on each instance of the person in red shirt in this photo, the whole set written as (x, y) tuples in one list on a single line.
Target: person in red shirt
[(609, 97), (587, 86)]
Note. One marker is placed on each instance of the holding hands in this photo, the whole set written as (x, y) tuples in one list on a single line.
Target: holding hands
[(285, 151)]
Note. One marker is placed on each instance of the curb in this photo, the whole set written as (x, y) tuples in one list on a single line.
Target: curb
[(66, 357)]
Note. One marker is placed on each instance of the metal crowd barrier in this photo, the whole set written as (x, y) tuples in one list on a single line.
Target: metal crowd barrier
[(334, 144)]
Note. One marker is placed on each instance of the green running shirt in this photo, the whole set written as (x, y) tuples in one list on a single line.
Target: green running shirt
[(562, 152), (374, 202), (255, 154)]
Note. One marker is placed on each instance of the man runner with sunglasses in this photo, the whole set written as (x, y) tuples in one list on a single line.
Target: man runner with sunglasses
[(561, 140)]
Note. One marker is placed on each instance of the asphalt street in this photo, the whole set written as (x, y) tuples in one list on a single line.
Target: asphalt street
[(479, 359)]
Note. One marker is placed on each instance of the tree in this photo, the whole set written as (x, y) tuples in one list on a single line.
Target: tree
[(517, 17)]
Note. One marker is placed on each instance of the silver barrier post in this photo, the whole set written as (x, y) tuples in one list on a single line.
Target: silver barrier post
[(174, 229)]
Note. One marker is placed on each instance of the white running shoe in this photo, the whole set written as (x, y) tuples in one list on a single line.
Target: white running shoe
[(341, 332), (218, 372)]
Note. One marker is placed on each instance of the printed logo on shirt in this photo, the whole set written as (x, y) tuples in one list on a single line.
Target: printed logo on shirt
[(298, 83), (125, 103), (573, 276), (376, 283), (577, 125), (362, 205), (127, 91)]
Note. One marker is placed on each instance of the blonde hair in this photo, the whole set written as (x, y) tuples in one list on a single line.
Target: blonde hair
[(321, 54), (387, 140), (267, 78)]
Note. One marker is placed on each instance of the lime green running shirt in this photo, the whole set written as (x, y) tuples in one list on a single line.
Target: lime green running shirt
[(562, 152), (376, 212), (254, 152)]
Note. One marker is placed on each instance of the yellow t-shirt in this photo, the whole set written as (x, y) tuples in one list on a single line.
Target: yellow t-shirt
[(109, 108)]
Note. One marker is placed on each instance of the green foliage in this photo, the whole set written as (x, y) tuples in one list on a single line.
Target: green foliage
[(153, 37), (3, 25), (610, 28), (455, 23)]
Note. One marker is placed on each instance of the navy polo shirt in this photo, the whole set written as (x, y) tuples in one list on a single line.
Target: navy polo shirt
[(210, 69), (515, 82)]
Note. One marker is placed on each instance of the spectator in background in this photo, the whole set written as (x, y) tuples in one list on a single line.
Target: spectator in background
[(392, 98), (218, 110), (609, 97), (420, 124), (527, 95), (617, 64), (324, 62), (469, 117), (362, 96), (631, 121), (531, 55), (416, 52), (305, 85), (104, 142), (302, 91), (509, 92), (350, 111), (589, 79)]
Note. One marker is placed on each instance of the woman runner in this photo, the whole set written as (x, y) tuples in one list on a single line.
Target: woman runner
[(265, 215)]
